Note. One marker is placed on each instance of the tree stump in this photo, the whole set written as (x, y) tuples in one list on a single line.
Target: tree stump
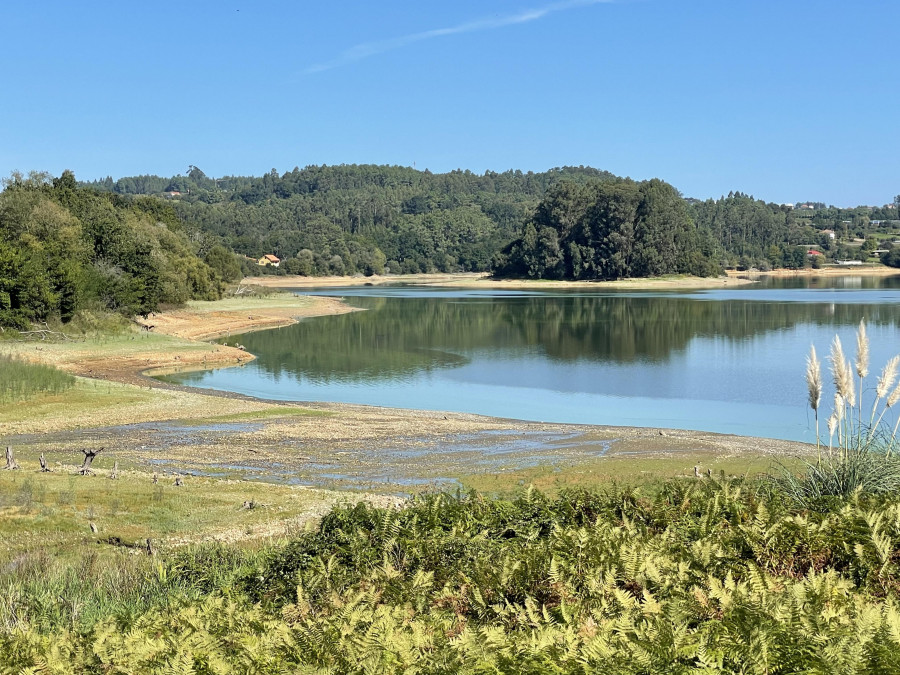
[(178, 481), (44, 467), (94, 528), (88, 458), (115, 472), (155, 479), (11, 463), (150, 550)]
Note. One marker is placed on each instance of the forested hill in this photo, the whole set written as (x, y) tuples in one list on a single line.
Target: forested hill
[(360, 218), (66, 250), (370, 219)]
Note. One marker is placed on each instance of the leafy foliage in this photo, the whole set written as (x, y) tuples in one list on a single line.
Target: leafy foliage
[(608, 230), (64, 249), (688, 577), (362, 219)]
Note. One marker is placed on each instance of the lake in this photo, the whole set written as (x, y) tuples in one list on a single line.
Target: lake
[(729, 360)]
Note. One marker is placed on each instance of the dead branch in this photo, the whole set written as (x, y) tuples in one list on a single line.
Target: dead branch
[(45, 333), (88, 459), (11, 464)]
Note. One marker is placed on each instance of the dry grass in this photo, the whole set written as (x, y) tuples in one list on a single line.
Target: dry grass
[(53, 511)]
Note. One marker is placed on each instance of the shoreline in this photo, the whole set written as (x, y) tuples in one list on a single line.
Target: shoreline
[(115, 391), (483, 280), (834, 271)]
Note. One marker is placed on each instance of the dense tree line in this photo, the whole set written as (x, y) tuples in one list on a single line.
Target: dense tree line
[(609, 229), (369, 219), (66, 248), (359, 218)]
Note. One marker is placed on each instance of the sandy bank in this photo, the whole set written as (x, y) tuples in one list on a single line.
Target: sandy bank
[(484, 281), (849, 271), (175, 339), (210, 320)]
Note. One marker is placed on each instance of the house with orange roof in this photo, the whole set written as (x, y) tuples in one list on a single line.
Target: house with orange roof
[(269, 259)]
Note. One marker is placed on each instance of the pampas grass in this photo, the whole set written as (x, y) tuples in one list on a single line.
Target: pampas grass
[(864, 459), (814, 386)]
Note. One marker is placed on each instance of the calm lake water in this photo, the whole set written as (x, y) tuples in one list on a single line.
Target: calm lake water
[(730, 360)]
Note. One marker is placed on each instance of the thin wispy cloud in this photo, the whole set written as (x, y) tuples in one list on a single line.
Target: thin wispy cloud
[(369, 49)]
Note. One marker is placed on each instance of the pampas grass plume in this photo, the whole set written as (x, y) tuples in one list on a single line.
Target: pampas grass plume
[(888, 375), (894, 397), (840, 371), (814, 378), (862, 350)]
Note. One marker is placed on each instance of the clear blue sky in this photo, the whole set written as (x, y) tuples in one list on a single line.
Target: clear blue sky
[(783, 99)]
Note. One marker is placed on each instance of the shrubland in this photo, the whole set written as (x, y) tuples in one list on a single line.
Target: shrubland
[(688, 576)]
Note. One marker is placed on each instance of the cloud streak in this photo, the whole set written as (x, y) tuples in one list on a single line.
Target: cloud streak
[(368, 49)]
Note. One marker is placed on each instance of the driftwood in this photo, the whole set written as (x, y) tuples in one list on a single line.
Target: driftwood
[(45, 334), (44, 467), (88, 458), (115, 472), (11, 463)]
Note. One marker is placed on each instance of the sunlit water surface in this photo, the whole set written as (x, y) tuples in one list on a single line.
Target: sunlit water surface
[(729, 360)]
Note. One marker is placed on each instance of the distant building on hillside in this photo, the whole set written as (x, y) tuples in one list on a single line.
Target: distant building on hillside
[(830, 233), (269, 259)]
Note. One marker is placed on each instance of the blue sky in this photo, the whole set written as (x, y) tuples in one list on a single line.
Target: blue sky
[(786, 100)]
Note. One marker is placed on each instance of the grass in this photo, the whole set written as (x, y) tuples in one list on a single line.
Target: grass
[(20, 380), (53, 511), (86, 399), (264, 299), (615, 468), (268, 413)]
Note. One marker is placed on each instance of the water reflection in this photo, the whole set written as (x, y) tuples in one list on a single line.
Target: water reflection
[(725, 360), (399, 338)]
